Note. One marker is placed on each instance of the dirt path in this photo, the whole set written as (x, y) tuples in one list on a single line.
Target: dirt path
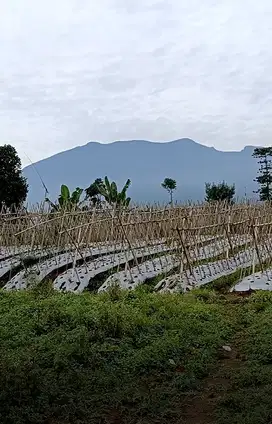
[(200, 408)]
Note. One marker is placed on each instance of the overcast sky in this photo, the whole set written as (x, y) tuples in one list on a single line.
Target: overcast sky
[(74, 71)]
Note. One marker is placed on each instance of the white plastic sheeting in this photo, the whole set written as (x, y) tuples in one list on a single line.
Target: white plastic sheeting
[(130, 278), (257, 281), (40, 270)]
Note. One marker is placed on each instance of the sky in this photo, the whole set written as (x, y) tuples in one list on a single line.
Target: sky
[(74, 71)]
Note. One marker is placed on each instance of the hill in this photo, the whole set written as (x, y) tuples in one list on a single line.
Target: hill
[(146, 164)]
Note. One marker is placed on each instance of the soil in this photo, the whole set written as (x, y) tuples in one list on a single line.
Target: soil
[(201, 407)]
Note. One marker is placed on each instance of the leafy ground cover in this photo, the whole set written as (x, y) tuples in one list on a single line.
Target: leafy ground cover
[(249, 397), (134, 357)]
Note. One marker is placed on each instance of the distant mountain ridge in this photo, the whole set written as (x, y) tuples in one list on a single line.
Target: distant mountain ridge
[(147, 164)]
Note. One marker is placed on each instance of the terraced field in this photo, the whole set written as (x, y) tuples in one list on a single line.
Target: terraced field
[(173, 249)]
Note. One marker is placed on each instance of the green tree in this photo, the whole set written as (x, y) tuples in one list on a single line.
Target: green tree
[(264, 180), (66, 201), (111, 194), (170, 185), (221, 192), (13, 186), (93, 191)]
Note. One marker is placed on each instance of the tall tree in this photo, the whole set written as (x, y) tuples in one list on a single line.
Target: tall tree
[(221, 192), (13, 186), (170, 185), (93, 191), (264, 180)]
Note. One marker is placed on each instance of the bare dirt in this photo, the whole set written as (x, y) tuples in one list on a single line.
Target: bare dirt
[(201, 407)]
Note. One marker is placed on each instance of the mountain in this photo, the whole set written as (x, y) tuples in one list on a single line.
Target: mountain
[(146, 164)]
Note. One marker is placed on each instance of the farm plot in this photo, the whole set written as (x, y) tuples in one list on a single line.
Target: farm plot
[(130, 278), (261, 280), (10, 251), (41, 270), (183, 246), (78, 278), (21, 259), (59, 263), (206, 273)]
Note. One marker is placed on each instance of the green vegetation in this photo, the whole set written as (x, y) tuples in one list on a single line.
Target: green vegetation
[(111, 194), (72, 201), (93, 191), (221, 192), (13, 186), (265, 178), (134, 357), (66, 201), (170, 185), (88, 358), (248, 400)]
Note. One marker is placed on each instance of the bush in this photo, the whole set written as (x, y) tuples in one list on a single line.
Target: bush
[(68, 358)]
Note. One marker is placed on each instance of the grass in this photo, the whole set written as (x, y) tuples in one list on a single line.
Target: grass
[(249, 399), (83, 358), (130, 357)]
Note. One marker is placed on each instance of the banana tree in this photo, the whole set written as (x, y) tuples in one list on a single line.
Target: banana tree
[(110, 193), (66, 201)]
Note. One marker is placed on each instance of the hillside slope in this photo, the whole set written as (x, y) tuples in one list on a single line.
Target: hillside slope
[(146, 164)]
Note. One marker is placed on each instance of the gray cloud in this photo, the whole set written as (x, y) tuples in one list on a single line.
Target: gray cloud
[(78, 70)]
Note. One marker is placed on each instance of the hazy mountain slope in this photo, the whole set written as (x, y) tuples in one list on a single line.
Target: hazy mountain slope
[(146, 164)]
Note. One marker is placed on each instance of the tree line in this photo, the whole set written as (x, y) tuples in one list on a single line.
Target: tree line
[(225, 192), (14, 186)]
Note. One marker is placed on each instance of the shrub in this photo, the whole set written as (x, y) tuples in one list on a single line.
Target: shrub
[(68, 358)]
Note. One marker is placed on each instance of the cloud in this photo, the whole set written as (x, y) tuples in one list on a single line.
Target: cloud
[(73, 71)]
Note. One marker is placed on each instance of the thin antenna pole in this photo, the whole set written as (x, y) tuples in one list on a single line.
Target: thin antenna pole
[(32, 164)]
